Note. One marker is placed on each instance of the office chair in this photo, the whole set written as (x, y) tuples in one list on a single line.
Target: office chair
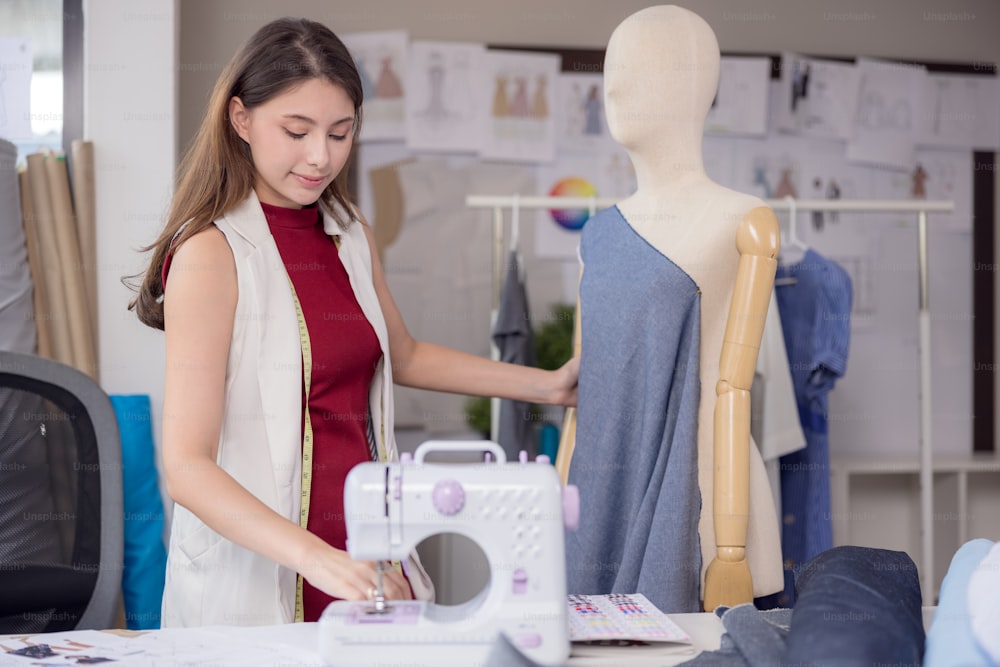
[(61, 518)]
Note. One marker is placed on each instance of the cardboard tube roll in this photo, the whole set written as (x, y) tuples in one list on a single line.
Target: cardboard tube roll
[(40, 299), (85, 206), (41, 200), (81, 338)]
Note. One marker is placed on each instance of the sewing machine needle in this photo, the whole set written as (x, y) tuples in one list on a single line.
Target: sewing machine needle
[(379, 591)]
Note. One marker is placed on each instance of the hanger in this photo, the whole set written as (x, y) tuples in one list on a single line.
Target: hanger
[(515, 233), (515, 221), (791, 240)]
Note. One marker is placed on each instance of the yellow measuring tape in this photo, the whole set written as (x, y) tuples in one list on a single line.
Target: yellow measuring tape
[(307, 441)]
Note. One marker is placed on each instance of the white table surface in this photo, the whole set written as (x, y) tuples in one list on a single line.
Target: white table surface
[(705, 630)]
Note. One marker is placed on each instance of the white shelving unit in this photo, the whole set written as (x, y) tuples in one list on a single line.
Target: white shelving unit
[(874, 501)]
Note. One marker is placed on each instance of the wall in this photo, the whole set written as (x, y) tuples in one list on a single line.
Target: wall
[(130, 98), (937, 30), (151, 64)]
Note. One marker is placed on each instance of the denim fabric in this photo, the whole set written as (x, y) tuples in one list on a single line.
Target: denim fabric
[(753, 638), (857, 605), (815, 317), (635, 461)]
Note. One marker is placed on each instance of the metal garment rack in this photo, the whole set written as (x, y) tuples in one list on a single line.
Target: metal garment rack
[(918, 207)]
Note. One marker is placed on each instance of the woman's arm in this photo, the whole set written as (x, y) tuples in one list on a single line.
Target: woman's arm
[(199, 307), (428, 366)]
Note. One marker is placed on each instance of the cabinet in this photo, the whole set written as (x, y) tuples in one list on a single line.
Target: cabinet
[(875, 502)]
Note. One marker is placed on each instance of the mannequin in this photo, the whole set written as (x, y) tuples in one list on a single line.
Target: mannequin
[(660, 77)]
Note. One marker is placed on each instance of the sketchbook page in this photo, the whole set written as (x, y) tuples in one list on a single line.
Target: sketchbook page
[(521, 125), (952, 112), (15, 89), (381, 61), (620, 617), (886, 122), (740, 105), (446, 95), (816, 98)]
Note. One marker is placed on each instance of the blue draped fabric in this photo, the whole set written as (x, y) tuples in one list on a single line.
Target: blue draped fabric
[(636, 457)]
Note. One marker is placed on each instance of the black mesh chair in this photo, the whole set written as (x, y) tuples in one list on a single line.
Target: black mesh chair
[(61, 520)]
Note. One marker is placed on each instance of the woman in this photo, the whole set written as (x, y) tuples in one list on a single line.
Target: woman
[(282, 343)]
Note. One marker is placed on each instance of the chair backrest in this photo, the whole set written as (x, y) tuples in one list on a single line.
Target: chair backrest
[(61, 517)]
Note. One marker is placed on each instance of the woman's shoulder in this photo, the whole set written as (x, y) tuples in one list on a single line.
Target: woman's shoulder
[(206, 248)]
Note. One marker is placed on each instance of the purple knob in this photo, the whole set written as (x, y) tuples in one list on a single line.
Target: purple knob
[(571, 506), (406, 457), (448, 497), (543, 458)]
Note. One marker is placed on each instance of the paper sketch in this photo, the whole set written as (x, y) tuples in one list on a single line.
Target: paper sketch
[(816, 98), (447, 97), (15, 88), (581, 124), (885, 125), (740, 106), (381, 60), (961, 112), (521, 124)]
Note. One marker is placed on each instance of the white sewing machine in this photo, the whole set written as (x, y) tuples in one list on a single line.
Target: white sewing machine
[(515, 512)]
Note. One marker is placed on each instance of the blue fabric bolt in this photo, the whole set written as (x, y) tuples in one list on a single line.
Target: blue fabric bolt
[(145, 553)]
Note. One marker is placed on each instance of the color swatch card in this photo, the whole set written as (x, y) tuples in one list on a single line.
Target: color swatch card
[(620, 618)]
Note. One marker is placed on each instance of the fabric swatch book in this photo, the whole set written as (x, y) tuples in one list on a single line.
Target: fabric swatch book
[(622, 624)]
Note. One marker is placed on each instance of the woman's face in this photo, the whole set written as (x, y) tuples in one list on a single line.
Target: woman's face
[(299, 140)]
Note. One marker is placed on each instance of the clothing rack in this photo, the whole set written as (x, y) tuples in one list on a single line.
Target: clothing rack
[(918, 207)]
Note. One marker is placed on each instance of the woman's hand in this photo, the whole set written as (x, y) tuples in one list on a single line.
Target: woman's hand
[(565, 383), (335, 573)]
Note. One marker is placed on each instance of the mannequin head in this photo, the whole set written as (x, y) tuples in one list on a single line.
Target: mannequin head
[(661, 73)]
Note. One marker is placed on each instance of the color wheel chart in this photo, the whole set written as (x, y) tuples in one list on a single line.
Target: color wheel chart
[(572, 219)]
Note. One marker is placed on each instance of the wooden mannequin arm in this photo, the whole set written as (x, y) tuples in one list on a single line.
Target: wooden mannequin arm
[(727, 581), (567, 438)]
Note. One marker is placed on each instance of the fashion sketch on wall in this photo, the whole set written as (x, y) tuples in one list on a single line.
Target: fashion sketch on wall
[(885, 122), (816, 98), (15, 87), (581, 126), (741, 103), (381, 60), (446, 107), (521, 124)]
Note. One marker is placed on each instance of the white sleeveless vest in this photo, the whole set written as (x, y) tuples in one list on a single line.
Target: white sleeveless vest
[(211, 580)]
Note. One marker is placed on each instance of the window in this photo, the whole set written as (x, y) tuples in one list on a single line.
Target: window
[(31, 74)]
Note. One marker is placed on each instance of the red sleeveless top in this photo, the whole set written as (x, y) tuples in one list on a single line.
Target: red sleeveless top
[(345, 352)]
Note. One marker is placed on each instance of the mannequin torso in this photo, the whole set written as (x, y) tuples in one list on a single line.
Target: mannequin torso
[(661, 74)]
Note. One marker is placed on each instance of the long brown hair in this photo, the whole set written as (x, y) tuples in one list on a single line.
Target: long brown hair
[(217, 172)]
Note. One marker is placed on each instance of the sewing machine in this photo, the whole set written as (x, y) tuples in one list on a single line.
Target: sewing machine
[(515, 512)]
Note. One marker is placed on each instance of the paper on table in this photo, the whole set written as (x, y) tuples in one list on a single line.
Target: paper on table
[(80, 647), (187, 646), (620, 616)]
